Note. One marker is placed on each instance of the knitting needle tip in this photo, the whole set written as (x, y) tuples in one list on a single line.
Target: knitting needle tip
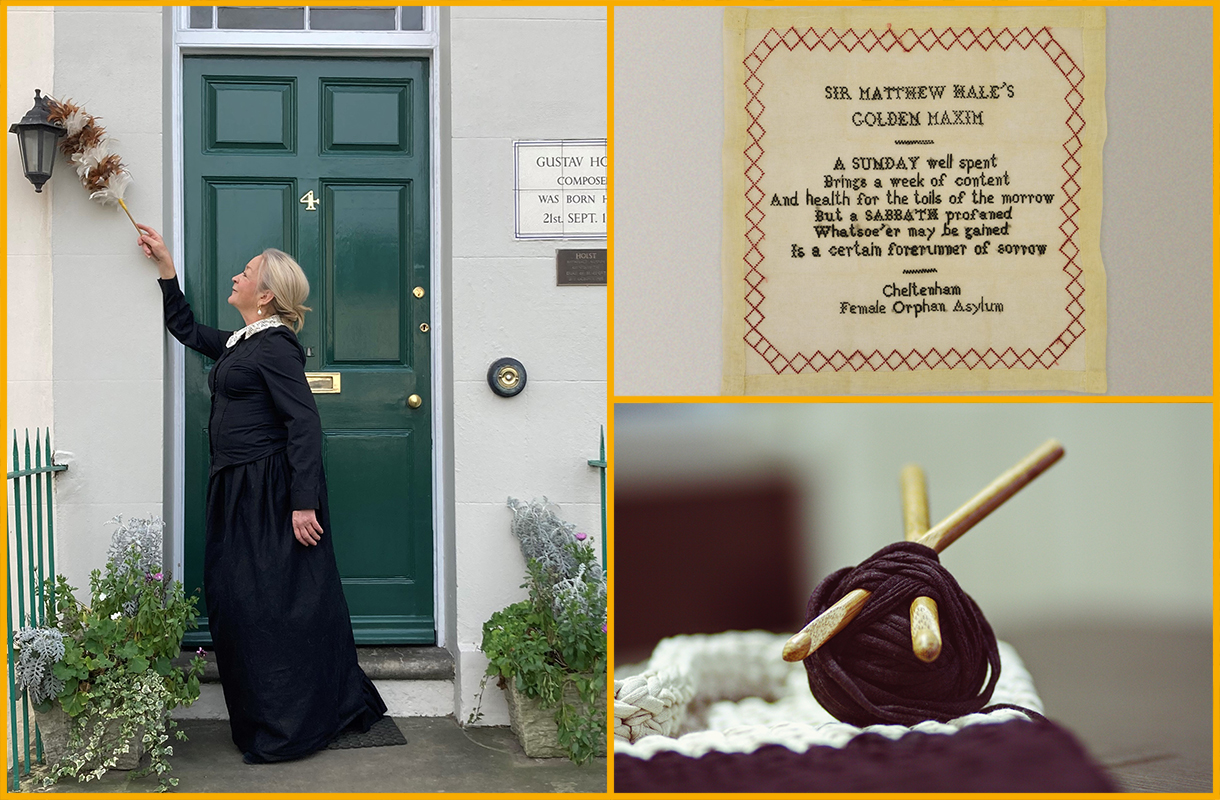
[(827, 624), (797, 648), (925, 629)]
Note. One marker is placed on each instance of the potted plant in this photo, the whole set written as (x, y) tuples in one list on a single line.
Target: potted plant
[(101, 676), (549, 651)]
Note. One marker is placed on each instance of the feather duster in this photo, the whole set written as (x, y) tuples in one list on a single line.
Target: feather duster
[(86, 144)]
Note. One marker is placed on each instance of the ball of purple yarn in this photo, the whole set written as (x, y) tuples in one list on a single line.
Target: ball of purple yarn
[(868, 674)]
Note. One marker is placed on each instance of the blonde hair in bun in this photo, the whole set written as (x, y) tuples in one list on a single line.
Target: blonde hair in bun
[(284, 278)]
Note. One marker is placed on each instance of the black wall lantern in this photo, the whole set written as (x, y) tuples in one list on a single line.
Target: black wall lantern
[(38, 138)]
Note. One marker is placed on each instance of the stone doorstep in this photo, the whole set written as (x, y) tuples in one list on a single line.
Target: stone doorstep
[(413, 682), (385, 663)]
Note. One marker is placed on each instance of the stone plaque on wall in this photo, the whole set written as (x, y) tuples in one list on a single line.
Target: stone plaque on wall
[(560, 189)]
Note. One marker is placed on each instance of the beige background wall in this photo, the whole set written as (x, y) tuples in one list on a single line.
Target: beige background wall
[(1119, 531)]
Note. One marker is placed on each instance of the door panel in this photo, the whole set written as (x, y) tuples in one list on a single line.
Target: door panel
[(365, 228), (368, 116), (250, 114), (261, 134)]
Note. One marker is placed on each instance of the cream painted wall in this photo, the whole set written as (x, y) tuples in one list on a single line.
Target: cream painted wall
[(1119, 530), (517, 73), (30, 66), (31, 33), (108, 340)]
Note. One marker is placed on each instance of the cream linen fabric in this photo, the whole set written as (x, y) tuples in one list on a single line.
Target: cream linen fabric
[(1013, 302)]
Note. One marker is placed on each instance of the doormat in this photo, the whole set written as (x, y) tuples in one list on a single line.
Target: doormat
[(384, 733)]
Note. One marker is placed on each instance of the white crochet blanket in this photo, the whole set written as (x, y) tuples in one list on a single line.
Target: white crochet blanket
[(733, 693)]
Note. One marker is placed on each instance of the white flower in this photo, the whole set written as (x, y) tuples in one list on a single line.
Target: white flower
[(116, 615), (101, 597)]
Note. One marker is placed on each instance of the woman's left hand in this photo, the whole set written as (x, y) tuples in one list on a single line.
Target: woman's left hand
[(306, 528)]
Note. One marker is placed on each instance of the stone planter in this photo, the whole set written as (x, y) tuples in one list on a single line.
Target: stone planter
[(53, 728), (535, 726)]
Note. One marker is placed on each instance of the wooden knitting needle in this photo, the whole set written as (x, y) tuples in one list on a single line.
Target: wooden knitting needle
[(835, 618), (926, 645), (925, 621)]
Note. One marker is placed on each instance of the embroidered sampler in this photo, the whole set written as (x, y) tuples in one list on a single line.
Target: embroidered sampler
[(913, 200)]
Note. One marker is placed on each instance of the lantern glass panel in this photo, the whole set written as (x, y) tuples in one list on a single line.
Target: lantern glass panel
[(30, 150)]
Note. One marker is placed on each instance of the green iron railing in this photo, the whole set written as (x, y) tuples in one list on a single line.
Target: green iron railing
[(600, 463), (31, 561)]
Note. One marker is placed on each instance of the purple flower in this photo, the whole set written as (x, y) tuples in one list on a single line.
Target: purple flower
[(580, 537), (158, 576), (603, 627), (202, 652)]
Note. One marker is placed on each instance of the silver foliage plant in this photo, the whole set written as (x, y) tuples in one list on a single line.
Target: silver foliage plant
[(144, 538), (570, 592), (548, 540), (544, 536), (39, 650)]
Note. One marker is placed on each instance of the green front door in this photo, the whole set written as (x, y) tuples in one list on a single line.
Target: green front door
[(327, 159)]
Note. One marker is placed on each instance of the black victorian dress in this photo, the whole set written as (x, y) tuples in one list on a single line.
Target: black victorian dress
[(279, 622)]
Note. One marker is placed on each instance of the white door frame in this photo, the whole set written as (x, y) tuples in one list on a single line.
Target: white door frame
[(417, 44)]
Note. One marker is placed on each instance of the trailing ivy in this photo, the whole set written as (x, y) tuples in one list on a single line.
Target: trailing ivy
[(116, 661)]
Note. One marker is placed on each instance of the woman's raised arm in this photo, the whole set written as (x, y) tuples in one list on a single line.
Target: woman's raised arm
[(178, 316)]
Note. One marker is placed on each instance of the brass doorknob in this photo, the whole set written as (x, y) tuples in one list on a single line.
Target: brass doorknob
[(415, 401)]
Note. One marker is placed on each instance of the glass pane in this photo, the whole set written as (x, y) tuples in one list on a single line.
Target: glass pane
[(272, 18), (30, 141), (201, 16), (350, 18), (412, 18)]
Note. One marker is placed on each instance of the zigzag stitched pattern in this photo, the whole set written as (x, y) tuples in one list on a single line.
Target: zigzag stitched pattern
[(907, 41)]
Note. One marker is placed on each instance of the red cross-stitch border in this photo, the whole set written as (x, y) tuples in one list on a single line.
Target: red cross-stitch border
[(907, 42)]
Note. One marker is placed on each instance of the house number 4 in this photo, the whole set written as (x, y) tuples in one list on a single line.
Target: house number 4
[(311, 203)]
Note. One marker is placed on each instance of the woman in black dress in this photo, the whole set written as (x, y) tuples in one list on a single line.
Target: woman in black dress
[(279, 622)]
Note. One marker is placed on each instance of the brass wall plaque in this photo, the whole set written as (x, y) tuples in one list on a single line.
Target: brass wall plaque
[(324, 382), (580, 267)]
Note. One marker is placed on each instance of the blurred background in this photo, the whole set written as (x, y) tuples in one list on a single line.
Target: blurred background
[(1099, 572)]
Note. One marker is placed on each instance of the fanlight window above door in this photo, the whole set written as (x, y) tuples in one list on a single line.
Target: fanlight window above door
[(307, 18)]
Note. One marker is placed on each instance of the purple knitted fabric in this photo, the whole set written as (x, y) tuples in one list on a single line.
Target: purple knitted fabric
[(867, 673), (1015, 756)]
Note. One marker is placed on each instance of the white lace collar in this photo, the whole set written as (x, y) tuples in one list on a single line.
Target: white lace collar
[(253, 328)]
